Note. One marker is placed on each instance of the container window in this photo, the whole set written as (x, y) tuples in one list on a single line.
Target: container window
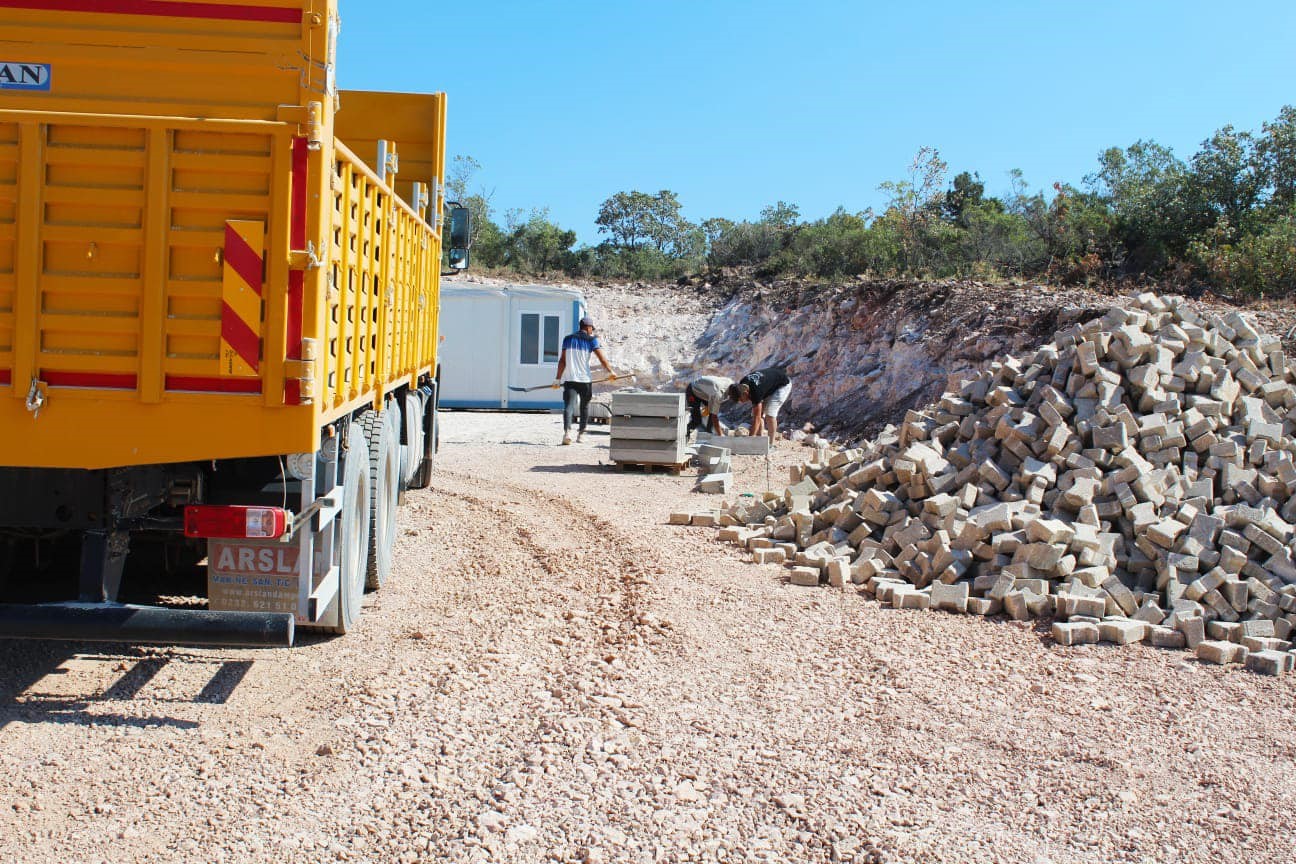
[(552, 340), (530, 339)]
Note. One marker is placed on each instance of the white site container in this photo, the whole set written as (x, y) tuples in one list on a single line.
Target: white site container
[(497, 337)]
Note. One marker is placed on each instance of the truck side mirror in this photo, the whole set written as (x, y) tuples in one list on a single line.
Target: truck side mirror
[(460, 236)]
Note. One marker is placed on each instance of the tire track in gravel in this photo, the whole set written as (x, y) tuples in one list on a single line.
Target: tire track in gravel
[(618, 563), (574, 551), (410, 760)]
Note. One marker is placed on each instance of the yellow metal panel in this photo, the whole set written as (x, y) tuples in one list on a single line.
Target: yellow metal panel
[(153, 290), (104, 429), (27, 257), (412, 120), (280, 166), (116, 188), (195, 62)]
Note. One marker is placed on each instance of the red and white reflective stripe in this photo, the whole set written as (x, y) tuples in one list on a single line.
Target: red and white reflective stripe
[(100, 380), (296, 278), (195, 384), (235, 522), (163, 8)]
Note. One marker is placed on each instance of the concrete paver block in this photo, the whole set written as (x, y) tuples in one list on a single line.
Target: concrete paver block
[(804, 576), (1075, 633), (1219, 653)]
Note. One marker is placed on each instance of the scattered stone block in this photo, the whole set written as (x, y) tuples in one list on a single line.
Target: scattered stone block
[(910, 599), (804, 576), (1224, 631), (715, 484), (1121, 631), (1072, 605), (1219, 653), (950, 598), (1269, 662), (1166, 637), (1075, 633), (1194, 630), (839, 572)]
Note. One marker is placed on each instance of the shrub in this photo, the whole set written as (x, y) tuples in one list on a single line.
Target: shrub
[(1253, 265)]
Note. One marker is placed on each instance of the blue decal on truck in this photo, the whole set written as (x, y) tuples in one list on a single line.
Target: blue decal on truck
[(25, 76)]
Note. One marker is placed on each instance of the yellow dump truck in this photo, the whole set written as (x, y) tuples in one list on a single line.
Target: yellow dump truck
[(218, 321)]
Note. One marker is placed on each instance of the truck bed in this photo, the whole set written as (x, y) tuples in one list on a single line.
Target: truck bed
[(192, 266)]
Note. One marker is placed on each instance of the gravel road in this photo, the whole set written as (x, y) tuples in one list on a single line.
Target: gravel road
[(553, 674)]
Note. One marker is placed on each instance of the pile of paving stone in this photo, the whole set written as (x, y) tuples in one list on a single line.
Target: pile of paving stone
[(1134, 480)]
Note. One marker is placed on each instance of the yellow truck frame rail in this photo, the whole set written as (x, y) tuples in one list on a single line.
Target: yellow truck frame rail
[(198, 276)]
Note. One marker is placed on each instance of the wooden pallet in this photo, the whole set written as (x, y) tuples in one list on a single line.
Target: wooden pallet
[(675, 468)]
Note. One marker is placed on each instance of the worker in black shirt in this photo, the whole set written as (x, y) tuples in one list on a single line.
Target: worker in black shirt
[(766, 389)]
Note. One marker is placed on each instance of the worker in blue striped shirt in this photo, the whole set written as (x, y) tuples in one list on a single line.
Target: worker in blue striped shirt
[(574, 376)]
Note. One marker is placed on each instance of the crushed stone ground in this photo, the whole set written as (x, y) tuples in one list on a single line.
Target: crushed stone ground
[(553, 674)]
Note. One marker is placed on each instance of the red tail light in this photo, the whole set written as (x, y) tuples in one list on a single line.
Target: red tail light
[(235, 523)]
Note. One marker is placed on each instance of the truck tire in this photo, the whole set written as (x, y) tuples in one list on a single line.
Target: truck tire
[(353, 530), (383, 434), (431, 441), (412, 449)]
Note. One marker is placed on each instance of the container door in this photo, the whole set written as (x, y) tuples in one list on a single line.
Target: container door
[(473, 361), (535, 350)]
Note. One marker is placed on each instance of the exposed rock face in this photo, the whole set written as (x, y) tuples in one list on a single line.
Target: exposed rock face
[(861, 355)]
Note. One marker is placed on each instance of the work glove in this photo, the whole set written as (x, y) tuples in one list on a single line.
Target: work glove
[(557, 383), (612, 376)]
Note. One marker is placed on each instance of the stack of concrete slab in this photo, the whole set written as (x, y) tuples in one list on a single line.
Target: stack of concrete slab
[(648, 428), (1135, 478)]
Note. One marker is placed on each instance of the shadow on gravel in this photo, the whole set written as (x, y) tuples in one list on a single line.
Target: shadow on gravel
[(71, 682), (572, 469)]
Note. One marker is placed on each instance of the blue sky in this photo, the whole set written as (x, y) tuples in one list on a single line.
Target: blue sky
[(734, 105)]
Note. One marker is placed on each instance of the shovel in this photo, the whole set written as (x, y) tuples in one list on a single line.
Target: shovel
[(547, 386)]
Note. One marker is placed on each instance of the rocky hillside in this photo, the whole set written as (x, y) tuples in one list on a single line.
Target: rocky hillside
[(860, 353)]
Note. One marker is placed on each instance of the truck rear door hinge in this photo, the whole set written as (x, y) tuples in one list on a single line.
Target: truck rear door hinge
[(304, 259), (309, 120)]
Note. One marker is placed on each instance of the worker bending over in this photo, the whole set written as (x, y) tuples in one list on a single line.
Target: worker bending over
[(574, 376), (766, 389), (704, 398)]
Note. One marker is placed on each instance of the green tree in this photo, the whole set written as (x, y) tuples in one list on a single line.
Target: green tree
[(714, 229), (1225, 179), (1144, 186), (636, 219), (781, 215), (459, 183), (965, 192), (1276, 150), (915, 201), (534, 244)]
